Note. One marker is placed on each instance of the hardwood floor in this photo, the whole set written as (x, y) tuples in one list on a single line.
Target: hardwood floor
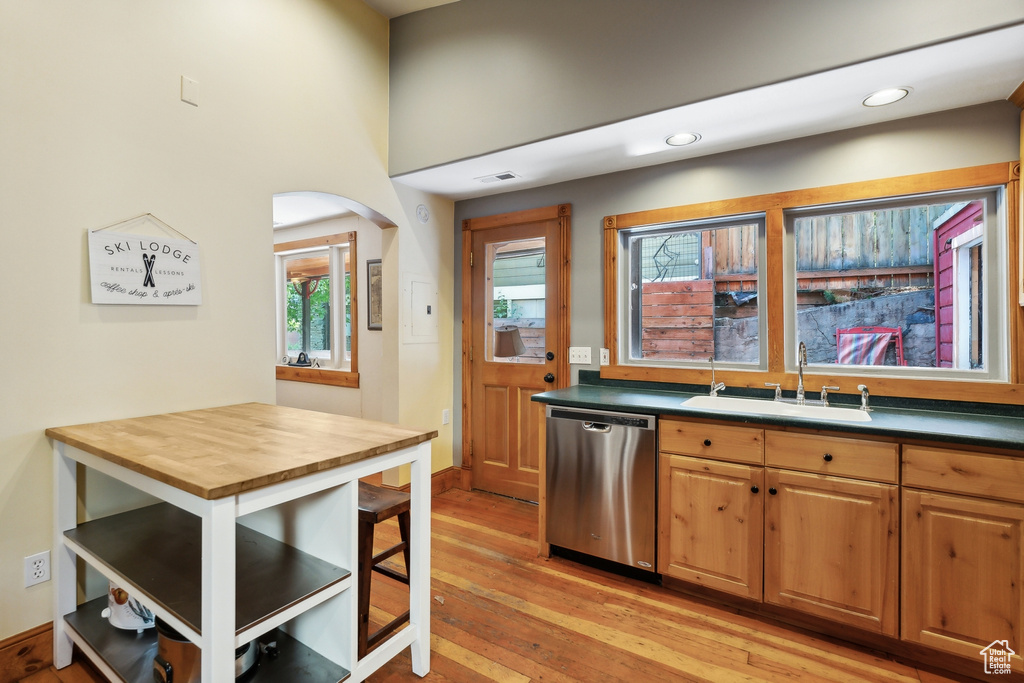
[(500, 613)]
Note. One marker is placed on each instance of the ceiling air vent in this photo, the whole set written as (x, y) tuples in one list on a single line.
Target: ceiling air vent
[(497, 177)]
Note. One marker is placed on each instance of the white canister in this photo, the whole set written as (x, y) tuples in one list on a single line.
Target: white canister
[(126, 612)]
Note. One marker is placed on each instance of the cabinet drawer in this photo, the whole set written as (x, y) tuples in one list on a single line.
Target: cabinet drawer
[(973, 474), (720, 442), (856, 458)]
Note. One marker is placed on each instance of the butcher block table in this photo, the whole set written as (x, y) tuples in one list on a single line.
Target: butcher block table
[(251, 536)]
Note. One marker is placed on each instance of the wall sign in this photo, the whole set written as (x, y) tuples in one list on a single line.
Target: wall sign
[(134, 268)]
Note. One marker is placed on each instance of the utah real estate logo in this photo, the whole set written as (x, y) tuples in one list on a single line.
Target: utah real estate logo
[(997, 656)]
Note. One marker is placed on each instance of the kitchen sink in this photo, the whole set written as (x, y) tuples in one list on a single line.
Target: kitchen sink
[(732, 404)]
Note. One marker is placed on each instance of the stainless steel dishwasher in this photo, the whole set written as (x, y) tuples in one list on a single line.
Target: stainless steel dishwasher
[(601, 484)]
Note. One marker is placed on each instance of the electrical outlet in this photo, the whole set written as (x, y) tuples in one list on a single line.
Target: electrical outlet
[(37, 568), (579, 355), (605, 358)]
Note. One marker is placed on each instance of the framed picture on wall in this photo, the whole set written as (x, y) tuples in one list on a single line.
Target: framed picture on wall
[(374, 309)]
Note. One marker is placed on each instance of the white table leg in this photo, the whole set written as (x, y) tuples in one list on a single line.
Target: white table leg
[(419, 579), (218, 628), (65, 516)]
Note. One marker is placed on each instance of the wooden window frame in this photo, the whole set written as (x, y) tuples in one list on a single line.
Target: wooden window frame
[(336, 378), (773, 206)]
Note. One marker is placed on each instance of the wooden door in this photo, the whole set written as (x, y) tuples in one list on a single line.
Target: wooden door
[(711, 517), (832, 547), (515, 343), (963, 569)]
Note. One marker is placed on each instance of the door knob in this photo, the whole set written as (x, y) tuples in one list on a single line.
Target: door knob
[(550, 355), (549, 378)]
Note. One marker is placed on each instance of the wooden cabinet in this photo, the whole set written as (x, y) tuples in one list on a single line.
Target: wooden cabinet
[(832, 528), (928, 548), (963, 556), (711, 523), (791, 533), (831, 548)]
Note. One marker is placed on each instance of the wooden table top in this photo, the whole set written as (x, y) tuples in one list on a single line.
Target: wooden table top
[(218, 452)]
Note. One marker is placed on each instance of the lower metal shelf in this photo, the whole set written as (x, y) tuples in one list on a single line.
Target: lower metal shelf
[(130, 654)]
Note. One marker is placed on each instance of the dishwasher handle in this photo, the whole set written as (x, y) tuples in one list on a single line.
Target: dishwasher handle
[(598, 427)]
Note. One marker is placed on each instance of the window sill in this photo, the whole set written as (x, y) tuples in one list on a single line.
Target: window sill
[(334, 378)]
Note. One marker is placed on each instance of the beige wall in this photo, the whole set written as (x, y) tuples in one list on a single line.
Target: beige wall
[(364, 401), (425, 368), (401, 379), (293, 95)]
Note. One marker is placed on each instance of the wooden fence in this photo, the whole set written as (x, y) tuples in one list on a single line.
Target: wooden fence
[(839, 258), (890, 248), (678, 320)]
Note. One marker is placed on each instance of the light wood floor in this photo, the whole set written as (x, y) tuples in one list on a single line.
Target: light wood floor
[(500, 613)]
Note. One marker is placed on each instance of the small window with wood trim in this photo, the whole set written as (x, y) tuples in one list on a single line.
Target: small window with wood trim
[(693, 291), (315, 307)]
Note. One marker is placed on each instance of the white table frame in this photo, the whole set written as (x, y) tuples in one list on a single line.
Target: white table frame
[(320, 517)]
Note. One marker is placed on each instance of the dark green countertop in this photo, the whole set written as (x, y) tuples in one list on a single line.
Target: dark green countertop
[(952, 424)]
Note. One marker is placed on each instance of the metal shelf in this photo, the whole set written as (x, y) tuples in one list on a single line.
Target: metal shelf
[(130, 655), (157, 549)]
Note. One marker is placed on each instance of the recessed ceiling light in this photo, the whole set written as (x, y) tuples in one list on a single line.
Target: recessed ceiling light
[(680, 139), (887, 96)]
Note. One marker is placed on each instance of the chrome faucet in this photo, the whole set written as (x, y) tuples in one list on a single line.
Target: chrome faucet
[(824, 395), (715, 386), (863, 388), (801, 361), (778, 389)]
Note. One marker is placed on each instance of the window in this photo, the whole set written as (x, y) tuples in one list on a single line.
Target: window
[(693, 291), (911, 287), (516, 271), (901, 283), (315, 310)]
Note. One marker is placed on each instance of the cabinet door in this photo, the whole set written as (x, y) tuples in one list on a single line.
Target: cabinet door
[(831, 548), (710, 524), (962, 573)]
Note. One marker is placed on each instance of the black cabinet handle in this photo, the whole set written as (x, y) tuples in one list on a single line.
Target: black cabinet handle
[(549, 378), (707, 442), (828, 457), (772, 490), (754, 489)]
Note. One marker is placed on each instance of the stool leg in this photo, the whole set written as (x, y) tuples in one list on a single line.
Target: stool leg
[(365, 565), (403, 529)]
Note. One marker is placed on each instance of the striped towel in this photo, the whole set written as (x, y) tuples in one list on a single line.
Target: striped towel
[(862, 348)]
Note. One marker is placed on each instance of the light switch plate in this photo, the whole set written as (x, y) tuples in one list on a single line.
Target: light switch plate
[(189, 91), (579, 355), (605, 358)]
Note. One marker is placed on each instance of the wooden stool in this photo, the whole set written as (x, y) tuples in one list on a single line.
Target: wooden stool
[(376, 505)]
